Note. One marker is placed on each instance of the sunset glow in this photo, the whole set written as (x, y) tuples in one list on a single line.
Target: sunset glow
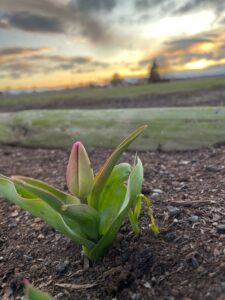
[(199, 64), (71, 42)]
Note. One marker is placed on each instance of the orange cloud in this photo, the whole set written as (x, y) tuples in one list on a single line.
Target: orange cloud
[(13, 54), (192, 53)]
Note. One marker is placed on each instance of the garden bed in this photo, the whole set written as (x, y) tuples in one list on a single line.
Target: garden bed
[(187, 260)]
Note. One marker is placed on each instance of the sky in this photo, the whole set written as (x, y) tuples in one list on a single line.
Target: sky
[(58, 43)]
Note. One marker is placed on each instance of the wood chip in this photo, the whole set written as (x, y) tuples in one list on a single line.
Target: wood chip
[(112, 271), (76, 286)]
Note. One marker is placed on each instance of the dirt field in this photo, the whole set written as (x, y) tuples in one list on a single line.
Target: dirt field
[(187, 261), (208, 97), (211, 97)]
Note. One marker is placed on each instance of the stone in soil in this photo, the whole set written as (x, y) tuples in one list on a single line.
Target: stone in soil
[(174, 211), (221, 228), (170, 236), (193, 219), (61, 267)]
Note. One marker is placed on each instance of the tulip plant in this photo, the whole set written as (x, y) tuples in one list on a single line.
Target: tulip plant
[(35, 294), (97, 206)]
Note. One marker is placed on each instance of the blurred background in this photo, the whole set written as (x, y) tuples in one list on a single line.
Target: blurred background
[(95, 70)]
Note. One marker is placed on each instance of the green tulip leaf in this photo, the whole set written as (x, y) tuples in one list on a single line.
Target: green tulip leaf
[(35, 294), (85, 217), (136, 175), (112, 196), (104, 173), (39, 208), (64, 197)]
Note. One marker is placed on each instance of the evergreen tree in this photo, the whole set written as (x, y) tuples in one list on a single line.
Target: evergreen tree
[(154, 74)]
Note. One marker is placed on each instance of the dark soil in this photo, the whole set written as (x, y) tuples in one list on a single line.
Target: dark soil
[(210, 97), (187, 260)]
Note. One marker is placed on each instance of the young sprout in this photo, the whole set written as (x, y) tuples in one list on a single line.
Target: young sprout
[(97, 206)]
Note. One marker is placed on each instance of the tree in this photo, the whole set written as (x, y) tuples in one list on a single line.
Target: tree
[(154, 74), (116, 80)]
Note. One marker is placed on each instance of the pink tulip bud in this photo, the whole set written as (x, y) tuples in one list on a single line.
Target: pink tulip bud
[(79, 175)]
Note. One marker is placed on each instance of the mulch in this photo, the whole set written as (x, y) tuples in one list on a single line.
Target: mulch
[(187, 260)]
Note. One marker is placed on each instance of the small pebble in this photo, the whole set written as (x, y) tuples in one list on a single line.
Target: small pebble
[(216, 217), (61, 267), (184, 162), (223, 285), (41, 236), (27, 257), (175, 221), (170, 236), (59, 296), (174, 211), (136, 296), (221, 229), (147, 285), (153, 280), (193, 219), (158, 191), (154, 195), (15, 213), (194, 262), (213, 274)]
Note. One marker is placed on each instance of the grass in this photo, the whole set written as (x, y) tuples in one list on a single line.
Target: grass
[(101, 94), (166, 87), (169, 128)]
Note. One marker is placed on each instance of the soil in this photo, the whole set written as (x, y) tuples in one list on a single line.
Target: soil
[(187, 260), (212, 97)]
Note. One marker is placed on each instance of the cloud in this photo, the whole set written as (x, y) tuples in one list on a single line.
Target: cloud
[(73, 63), (64, 63), (137, 19), (201, 50), (161, 8), (186, 42), (20, 62), (92, 19), (21, 51), (195, 5), (180, 7), (146, 4), (54, 17), (95, 6), (13, 54), (17, 70), (151, 10), (31, 22), (222, 21)]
